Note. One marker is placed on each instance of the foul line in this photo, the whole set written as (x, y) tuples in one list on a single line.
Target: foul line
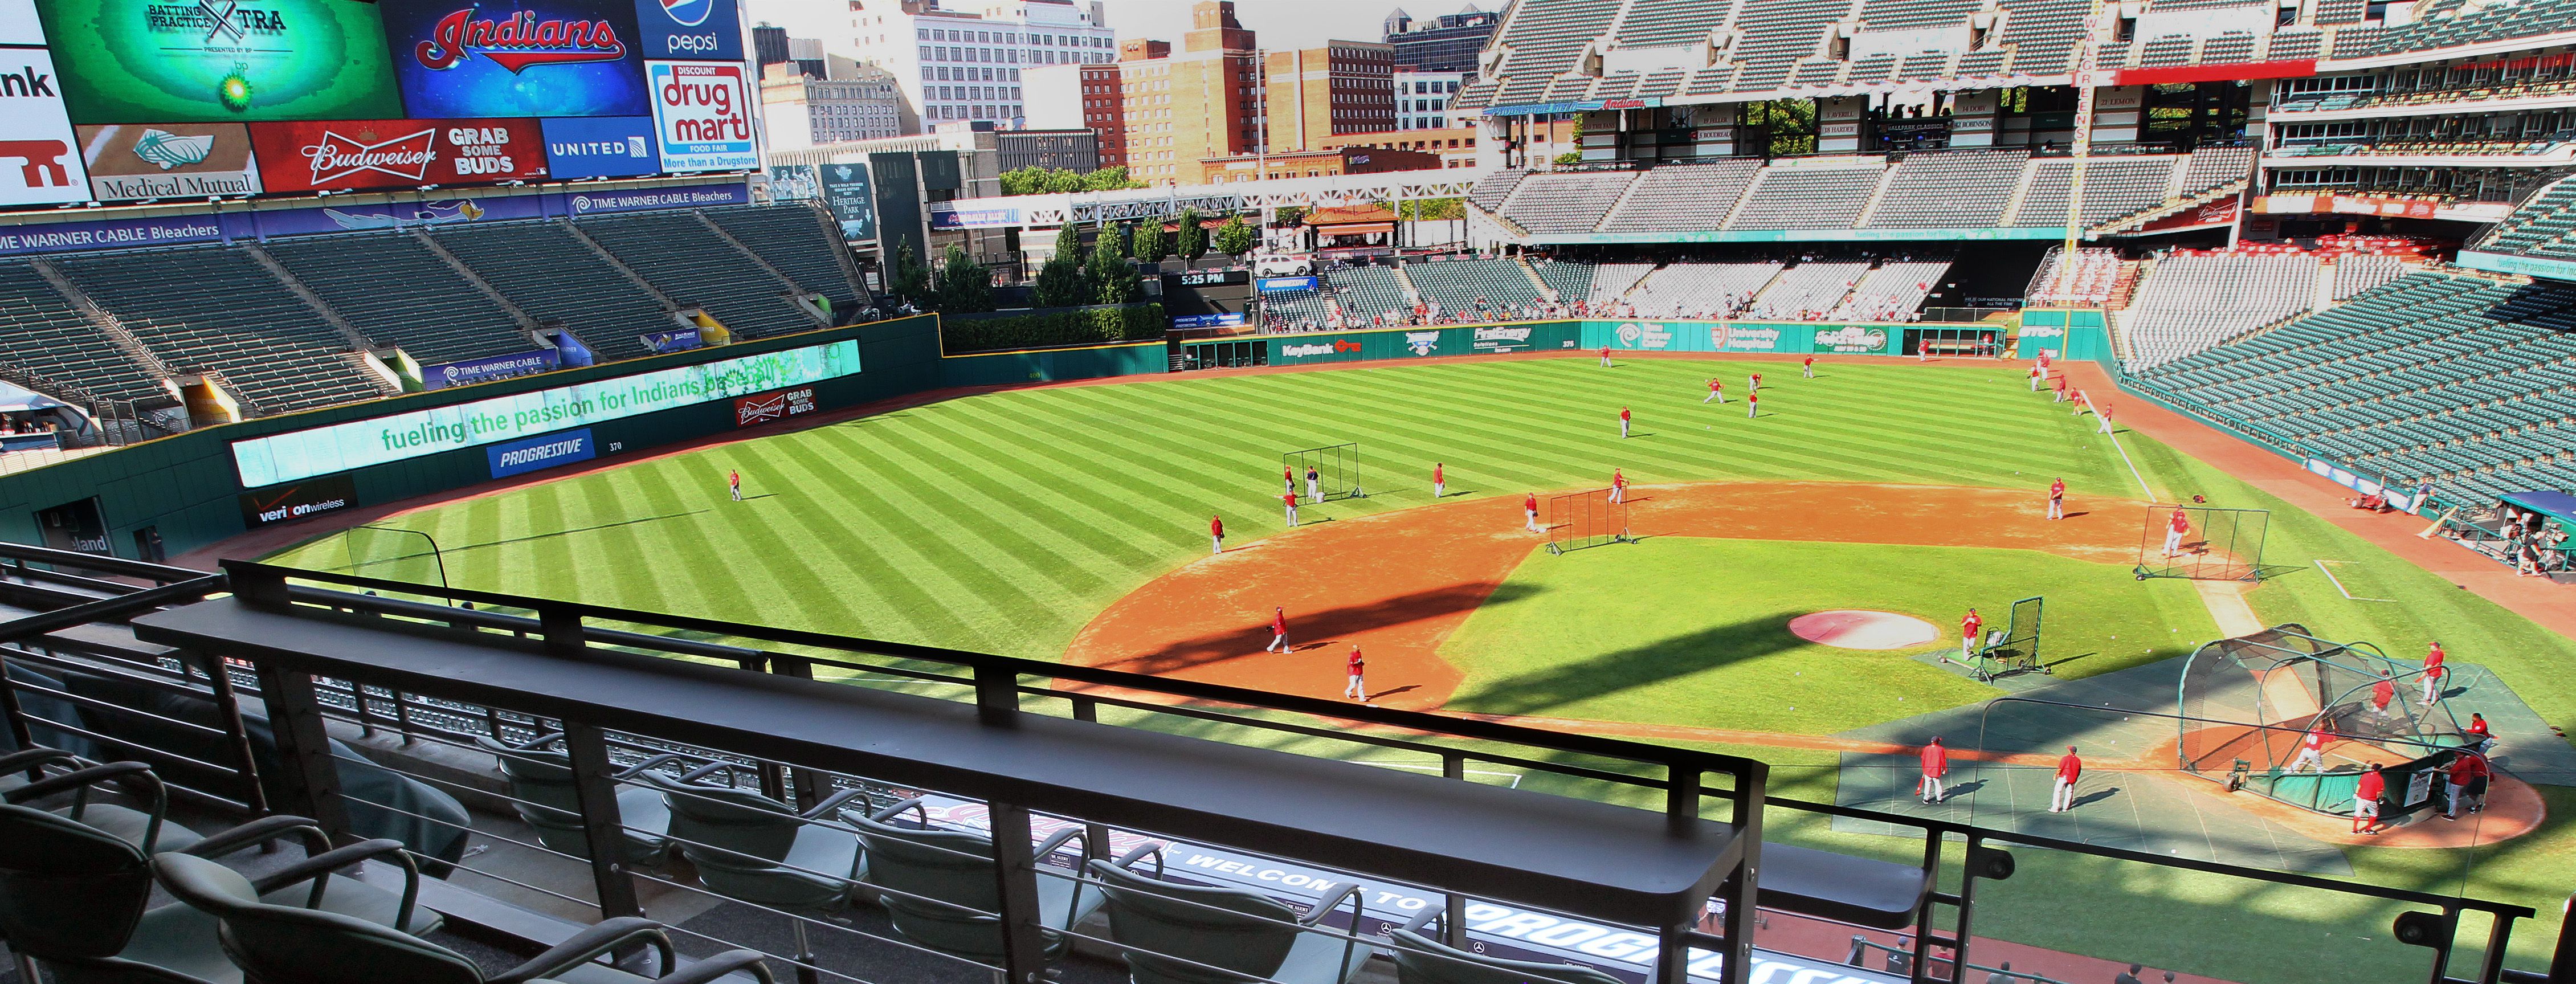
[(2338, 582), (2114, 435)]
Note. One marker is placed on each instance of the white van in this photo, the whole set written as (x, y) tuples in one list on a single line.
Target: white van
[(1283, 266)]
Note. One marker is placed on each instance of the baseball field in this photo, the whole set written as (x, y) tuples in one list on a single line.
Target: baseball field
[(1071, 522)]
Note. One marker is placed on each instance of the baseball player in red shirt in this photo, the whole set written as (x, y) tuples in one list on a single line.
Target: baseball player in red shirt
[(1618, 485), (2365, 801), (1278, 631), (1811, 367), (2479, 736), (2174, 530), (1605, 357), (1968, 628), (2464, 766), (1287, 479), (1755, 385), (1529, 504), (1290, 501), (1752, 405), (1216, 532), (1623, 423), (1439, 480), (2057, 499), (1356, 690), (2061, 390), (2036, 374), (2382, 694), (2312, 749), (1716, 391), (2433, 683), (1936, 767), (2069, 769), (2103, 411), (733, 479)]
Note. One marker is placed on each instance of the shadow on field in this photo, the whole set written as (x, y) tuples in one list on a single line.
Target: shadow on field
[(586, 529), (1629, 669), (1308, 630)]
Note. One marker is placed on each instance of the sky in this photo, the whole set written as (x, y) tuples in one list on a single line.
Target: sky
[(1282, 24)]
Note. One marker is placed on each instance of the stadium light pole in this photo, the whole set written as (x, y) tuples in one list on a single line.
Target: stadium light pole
[(2087, 57)]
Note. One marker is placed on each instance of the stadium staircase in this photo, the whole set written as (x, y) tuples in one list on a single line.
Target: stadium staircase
[(820, 319), (1545, 292), (321, 308), (106, 323), (517, 315)]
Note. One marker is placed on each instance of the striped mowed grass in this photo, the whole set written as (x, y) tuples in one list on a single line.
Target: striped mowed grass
[(1003, 522)]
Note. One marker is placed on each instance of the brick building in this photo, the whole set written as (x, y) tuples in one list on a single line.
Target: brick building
[(1343, 87)]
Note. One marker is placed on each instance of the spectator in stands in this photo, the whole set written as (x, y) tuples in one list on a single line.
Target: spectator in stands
[(2003, 974)]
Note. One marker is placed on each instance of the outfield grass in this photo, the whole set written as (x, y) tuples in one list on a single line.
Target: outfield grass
[(1003, 522), (1690, 631)]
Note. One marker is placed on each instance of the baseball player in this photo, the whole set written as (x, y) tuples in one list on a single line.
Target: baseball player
[(1618, 485), (2069, 769), (2057, 499), (1290, 500), (2036, 373), (1624, 417), (2365, 801), (1287, 479), (1755, 385), (1936, 767), (1529, 505), (1752, 405), (1314, 484), (733, 480), (2061, 390), (2312, 749), (1216, 533), (1278, 628), (2433, 683), (2103, 411), (2382, 694), (1356, 690), (2078, 409), (1716, 391), (1811, 367), (1439, 480), (2480, 737), (1605, 357), (1968, 629), (2174, 530), (2464, 766)]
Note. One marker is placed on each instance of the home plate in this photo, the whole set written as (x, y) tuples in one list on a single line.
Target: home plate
[(1855, 629)]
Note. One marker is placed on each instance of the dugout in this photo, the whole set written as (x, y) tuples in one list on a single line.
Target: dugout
[(2248, 702)]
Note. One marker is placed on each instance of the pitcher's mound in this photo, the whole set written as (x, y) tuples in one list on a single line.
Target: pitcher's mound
[(1856, 629)]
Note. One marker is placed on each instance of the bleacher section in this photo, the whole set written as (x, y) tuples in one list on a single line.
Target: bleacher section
[(49, 341), (401, 294), (698, 269), (1893, 292), (2190, 302), (2452, 376), (1596, 286), (1805, 292), (1367, 292), (214, 309), (1807, 198), (1958, 190), (556, 279), (1683, 197), (2354, 274), (1569, 202), (794, 239), (1460, 287), (2113, 187), (2542, 228), (2094, 281), (1700, 290)]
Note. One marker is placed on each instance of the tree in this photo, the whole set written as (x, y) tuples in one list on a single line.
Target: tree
[(1125, 235), (1113, 281), (910, 281), (1570, 157), (1059, 181), (964, 286), (1193, 240), (1289, 216), (1108, 179), (1060, 280), (1149, 244), (1236, 237)]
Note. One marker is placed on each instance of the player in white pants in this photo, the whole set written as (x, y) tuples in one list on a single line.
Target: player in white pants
[(1530, 506), (1314, 485), (1290, 501), (2069, 770), (2174, 530)]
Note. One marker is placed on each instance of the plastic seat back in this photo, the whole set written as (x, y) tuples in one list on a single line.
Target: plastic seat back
[(541, 780), (275, 944), (950, 866), (68, 890), (1422, 960), (1240, 931)]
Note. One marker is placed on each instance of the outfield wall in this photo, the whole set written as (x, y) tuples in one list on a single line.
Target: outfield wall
[(1635, 335), (1055, 364)]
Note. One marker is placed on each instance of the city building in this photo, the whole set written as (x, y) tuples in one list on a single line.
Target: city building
[(955, 60), (1181, 107), (1068, 97), (1312, 164), (1454, 146), (1075, 149), (1343, 87), (1447, 43), (1422, 98), (866, 104), (769, 45)]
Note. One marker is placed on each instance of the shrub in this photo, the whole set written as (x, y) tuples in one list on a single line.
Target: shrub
[(1049, 328)]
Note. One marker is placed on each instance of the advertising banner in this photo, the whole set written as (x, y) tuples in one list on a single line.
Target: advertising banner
[(1231, 319), (459, 58), (19, 25), (794, 183), (1272, 285), (1521, 337), (674, 340), (288, 503), (68, 236), (152, 61), (1854, 340), (40, 163), (946, 216), (752, 411), (174, 230), (540, 452), (297, 455), (846, 192), (702, 115), (708, 29), (128, 162), (470, 371), (700, 196), (350, 154), (75, 526), (393, 215), (601, 147)]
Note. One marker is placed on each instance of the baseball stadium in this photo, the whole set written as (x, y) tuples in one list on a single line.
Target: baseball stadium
[(1811, 492)]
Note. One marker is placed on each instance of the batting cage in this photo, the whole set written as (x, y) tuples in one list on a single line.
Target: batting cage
[(1585, 519), (392, 554), (1336, 468), (2248, 703), (2009, 650), (2207, 544)]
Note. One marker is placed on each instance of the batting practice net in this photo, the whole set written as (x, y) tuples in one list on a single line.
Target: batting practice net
[(2213, 545), (391, 554), (1585, 519), (1336, 467), (2248, 703), (2013, 648)]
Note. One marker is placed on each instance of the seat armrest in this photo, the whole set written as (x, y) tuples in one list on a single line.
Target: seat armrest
[(261, 831), (320, 865), (76, 779), (648, 765), (28, 758), (613, 934), (832, 804), (914, 804), (707, 970), (1332, 899)]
